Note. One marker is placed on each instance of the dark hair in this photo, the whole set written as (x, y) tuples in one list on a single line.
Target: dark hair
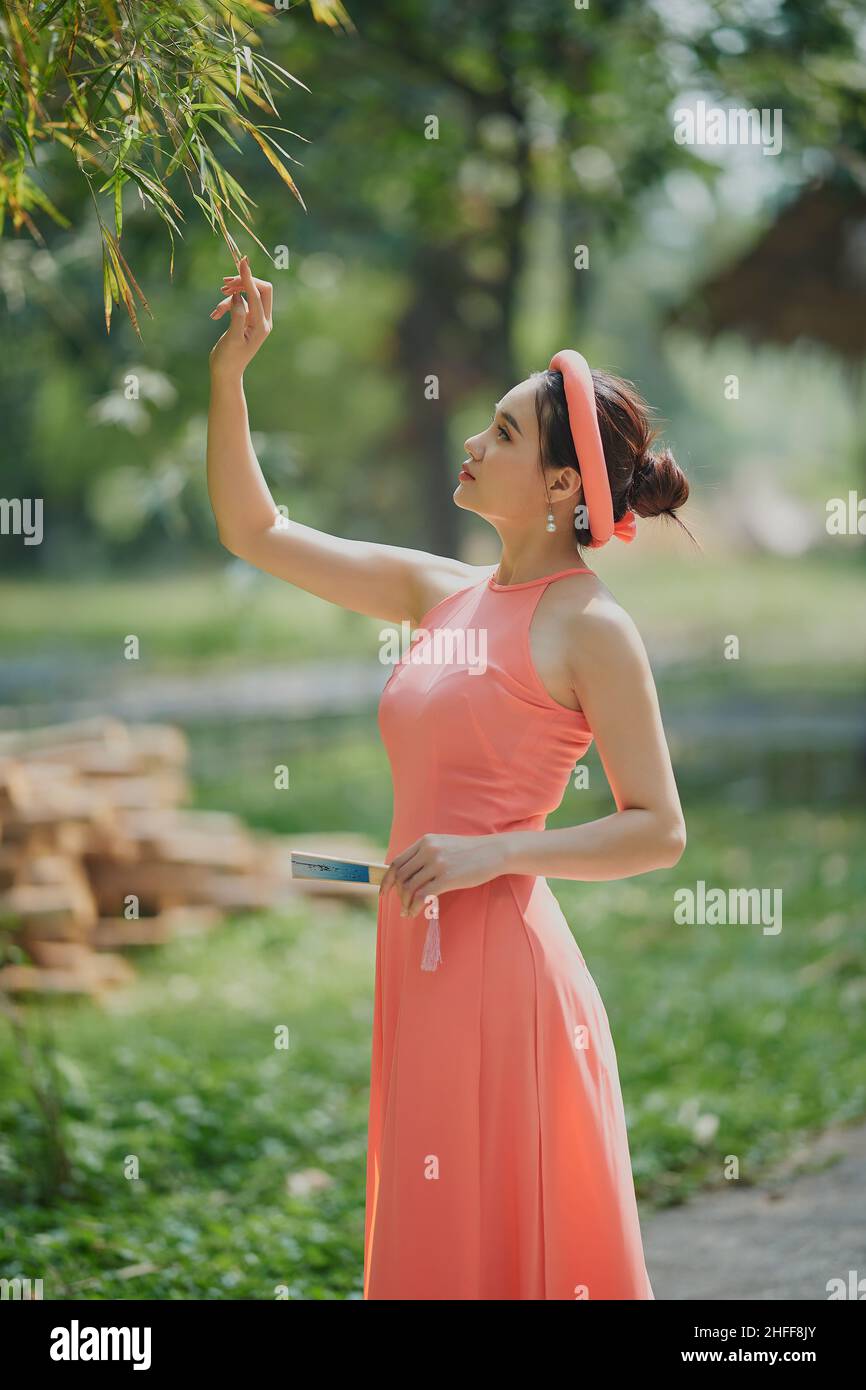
[(647, 483)]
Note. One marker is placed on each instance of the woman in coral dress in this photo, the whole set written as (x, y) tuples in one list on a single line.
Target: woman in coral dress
[(498, 1162)]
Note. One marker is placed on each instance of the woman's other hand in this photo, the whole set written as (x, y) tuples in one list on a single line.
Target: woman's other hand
[(440, 863)]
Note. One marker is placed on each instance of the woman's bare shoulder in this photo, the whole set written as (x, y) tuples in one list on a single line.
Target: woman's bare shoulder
[(596, 628), (442, 577)]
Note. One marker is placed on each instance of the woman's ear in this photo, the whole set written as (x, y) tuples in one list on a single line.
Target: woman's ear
[(568, 485)]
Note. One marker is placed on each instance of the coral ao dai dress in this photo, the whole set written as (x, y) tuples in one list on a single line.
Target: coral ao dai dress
[(498, 1163)]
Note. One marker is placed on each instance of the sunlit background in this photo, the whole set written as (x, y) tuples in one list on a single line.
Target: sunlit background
[(730, 285)]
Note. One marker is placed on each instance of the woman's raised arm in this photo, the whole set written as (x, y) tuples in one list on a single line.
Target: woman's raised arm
[(383, 581)]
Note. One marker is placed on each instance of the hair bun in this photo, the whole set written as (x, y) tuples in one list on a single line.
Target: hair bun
[(659, 485)]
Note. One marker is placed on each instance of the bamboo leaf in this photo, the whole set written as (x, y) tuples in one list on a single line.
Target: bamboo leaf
[(108, 288), (275, 161), (45, 19), (102, 100), (224, 133), (248, 93), (40, 199), (332, 13), (182, 148), (158, 192), (121, 270), (283, 72), (121, 265)]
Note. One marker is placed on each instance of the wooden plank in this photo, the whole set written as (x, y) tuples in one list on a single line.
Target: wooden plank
[(13, 861), (159, 744), (148, 791), (56, 869), (148, 825), (229, 852), (156, 885), (15, 787), (49, 912), (31, 979), (59, 955)]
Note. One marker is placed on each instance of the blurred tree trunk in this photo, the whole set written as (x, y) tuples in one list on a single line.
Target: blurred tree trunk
[(433, 339), (435, 336)]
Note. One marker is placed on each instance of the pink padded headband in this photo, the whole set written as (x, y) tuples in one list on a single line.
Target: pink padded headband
[(583, 419)]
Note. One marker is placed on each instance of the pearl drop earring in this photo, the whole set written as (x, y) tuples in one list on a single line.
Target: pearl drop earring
[(551, 524)]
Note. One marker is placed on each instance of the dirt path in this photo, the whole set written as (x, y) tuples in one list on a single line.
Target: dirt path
[(784, 1239)]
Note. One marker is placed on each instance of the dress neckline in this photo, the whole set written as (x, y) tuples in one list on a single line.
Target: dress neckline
[(542, 579)]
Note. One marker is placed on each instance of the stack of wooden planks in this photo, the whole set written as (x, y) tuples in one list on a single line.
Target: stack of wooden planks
[(98, 854)]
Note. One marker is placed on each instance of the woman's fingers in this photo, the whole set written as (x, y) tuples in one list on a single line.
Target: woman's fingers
[(235, 303), (404, 866), (240, 316), (254, 299), (264, 287), (222, 308), (236, 276), (266, 290)]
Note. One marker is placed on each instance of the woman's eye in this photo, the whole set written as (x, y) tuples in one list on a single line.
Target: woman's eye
[(504, 431)]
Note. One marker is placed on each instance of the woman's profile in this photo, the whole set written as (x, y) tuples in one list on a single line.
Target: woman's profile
[(498, 1164)]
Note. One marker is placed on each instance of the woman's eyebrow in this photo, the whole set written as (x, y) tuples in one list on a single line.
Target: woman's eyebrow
[(510, 418)]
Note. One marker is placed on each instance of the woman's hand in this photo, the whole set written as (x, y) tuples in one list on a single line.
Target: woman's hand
[(439, 863), (251, 320)]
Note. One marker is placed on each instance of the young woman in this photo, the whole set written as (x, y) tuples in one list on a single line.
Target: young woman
[(498, 1163)]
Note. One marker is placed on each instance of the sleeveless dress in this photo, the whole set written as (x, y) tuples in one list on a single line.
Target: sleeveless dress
[(498, 1164)]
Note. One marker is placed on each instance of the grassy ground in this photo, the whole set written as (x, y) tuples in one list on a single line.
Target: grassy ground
[(183, 1078), (729, 1042)]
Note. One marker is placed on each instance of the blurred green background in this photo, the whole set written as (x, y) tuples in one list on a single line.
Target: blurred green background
[(453, 257)]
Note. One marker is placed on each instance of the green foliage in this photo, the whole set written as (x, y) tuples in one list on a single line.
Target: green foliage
[(135, 93), (226, 1128)]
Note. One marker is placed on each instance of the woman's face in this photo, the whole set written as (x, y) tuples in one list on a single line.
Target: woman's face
[(504, 461)]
